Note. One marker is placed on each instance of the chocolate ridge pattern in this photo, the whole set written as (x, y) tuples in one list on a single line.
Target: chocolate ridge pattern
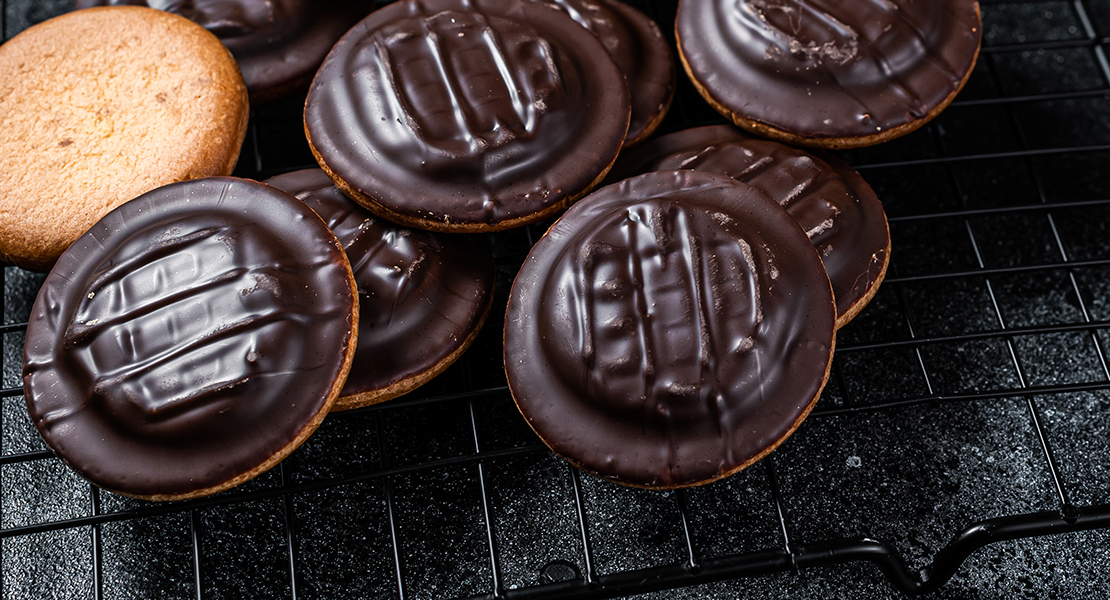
[(832, 203)]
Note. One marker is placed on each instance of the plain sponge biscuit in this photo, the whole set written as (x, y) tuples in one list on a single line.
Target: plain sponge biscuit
[(101, 105)]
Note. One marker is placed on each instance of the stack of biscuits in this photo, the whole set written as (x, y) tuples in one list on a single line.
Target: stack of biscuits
[(674, 325)]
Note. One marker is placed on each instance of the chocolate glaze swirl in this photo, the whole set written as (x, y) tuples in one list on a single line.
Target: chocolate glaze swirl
[(830, 201), (466, 114), (277, 43), (669, 330), (422, 296), (190, 339), (829, 69)]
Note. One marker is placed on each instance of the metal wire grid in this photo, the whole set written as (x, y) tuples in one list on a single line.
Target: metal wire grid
[(950, 289)]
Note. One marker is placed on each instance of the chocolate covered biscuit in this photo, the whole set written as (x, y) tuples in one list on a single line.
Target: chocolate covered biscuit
[(669, 330), (191, 339), (423, 296), (466, 116), (825, 73)]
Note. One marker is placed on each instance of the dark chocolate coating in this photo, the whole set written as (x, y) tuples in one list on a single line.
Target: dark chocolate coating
[(422, 295), (669, 330), (829, 68), (193, 336), (640, 51), (278, 43), (467, 115), (833, 204)]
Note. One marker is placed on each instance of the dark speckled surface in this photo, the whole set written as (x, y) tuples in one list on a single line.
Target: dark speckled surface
[(1000, 215)]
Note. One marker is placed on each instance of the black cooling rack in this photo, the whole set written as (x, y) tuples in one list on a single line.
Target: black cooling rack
[(960, 449)]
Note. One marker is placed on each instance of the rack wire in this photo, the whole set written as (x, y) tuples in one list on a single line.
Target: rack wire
[(969, 406)]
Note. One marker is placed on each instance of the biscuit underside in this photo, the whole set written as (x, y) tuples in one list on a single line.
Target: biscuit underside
[(88, 101)]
